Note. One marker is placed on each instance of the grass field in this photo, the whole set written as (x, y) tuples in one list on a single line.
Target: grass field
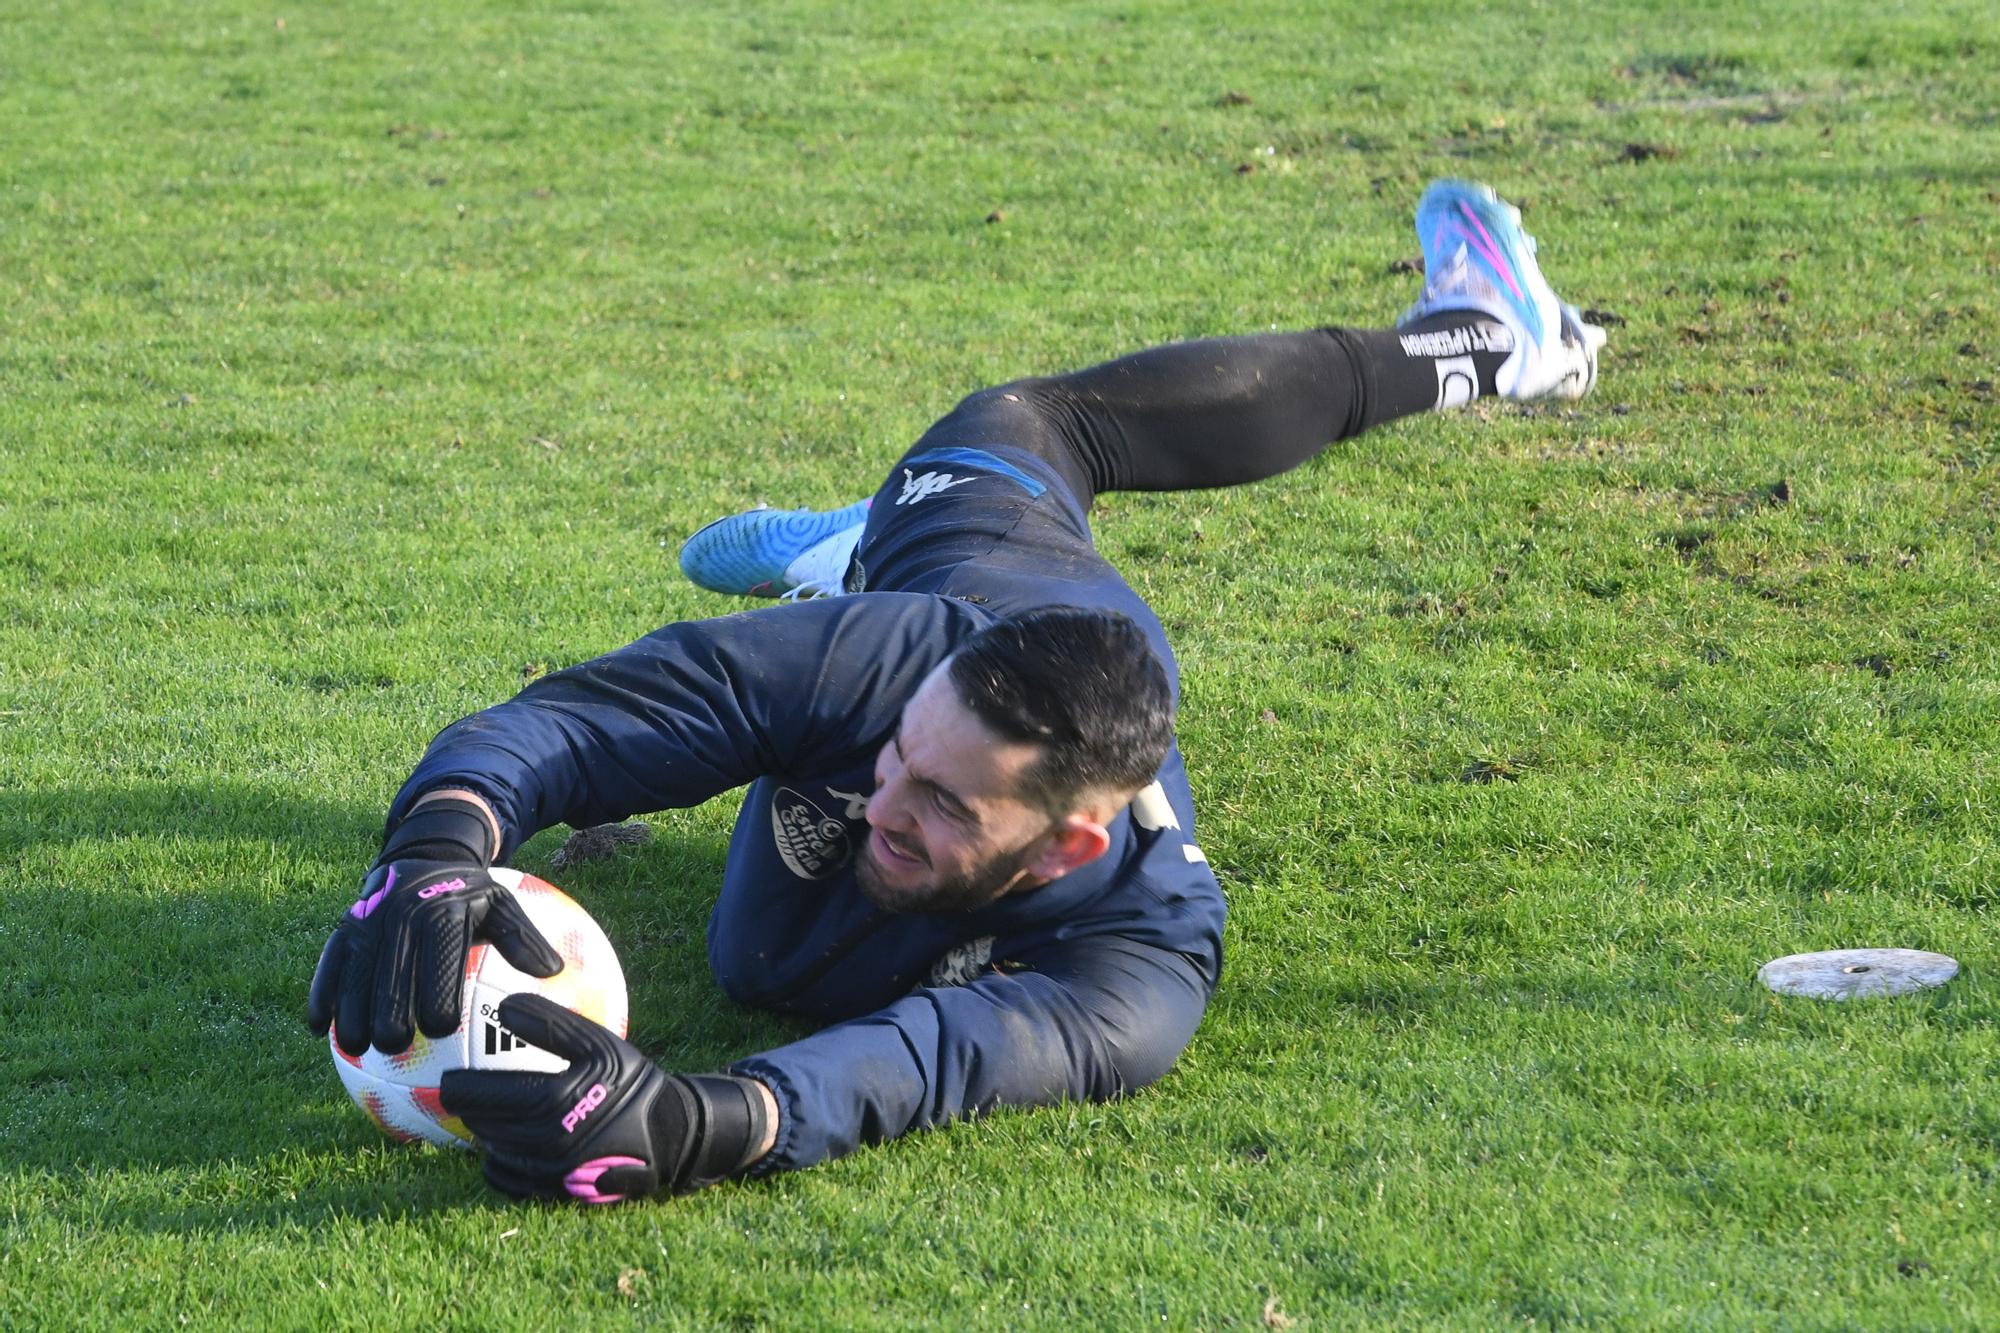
[(358, 362)]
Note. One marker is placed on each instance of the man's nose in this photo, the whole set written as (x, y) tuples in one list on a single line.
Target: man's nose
[(881, 809)]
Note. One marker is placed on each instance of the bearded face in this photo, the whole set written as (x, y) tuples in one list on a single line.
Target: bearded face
[(948, 830)]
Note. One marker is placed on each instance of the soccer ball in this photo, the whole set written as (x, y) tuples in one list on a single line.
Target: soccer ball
[(400, 1092)]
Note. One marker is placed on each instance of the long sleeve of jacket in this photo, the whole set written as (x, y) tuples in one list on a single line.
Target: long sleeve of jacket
[(693, 710), (1089, 1020)]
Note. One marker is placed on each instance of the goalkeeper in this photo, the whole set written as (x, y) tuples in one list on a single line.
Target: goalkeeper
[(967, 846)]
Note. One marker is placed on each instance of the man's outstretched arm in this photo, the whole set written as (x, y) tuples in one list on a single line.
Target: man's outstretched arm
[(1094, 1019), (1098, 1018), (691, 711)]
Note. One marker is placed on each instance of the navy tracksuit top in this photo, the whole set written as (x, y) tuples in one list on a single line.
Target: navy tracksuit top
[(1083, 988)]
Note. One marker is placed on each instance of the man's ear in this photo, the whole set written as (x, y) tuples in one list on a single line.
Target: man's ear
[(1076, 841)]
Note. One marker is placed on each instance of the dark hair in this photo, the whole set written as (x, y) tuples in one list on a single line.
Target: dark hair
[(1084, 686)]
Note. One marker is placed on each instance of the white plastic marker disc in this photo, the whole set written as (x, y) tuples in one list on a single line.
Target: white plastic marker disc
[(1857, 974)]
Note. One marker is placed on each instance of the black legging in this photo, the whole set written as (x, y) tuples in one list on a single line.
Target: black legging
[(1194, 415)]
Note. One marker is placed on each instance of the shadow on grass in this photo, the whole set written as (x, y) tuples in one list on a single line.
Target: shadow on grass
[(156, 940)]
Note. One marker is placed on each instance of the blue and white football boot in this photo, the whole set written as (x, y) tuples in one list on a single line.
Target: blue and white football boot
[(793, 554), (1476, 257)]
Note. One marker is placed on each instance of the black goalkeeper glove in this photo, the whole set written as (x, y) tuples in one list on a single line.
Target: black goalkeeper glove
[(613, 1126), (396, 964)]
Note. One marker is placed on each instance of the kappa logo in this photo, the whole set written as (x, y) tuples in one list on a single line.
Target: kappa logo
[(812, 843), (857, 803), (919, 488)]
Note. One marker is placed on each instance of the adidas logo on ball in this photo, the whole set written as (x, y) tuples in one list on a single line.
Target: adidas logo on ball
[(499, 1039)]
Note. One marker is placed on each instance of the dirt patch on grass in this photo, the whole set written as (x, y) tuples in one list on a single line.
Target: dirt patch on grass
[(599, 843), (1501, 768)]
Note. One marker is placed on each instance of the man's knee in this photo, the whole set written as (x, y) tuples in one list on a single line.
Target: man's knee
[(1038, 415), (1012, 413)]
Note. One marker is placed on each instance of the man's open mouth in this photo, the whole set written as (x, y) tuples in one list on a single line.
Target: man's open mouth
[(893, 853)]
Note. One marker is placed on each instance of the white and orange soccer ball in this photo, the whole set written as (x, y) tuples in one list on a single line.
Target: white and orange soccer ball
[(400, 1092)]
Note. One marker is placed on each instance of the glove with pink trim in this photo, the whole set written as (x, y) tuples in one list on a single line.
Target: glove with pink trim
[(611, 1127), (396, 964)]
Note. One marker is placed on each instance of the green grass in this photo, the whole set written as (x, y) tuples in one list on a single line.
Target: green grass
[(353, 369)]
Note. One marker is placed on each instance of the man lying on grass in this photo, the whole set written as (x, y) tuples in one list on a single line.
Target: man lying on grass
[(967, 844)]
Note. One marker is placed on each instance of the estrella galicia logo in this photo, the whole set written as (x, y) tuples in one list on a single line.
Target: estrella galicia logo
[(812, 843)]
